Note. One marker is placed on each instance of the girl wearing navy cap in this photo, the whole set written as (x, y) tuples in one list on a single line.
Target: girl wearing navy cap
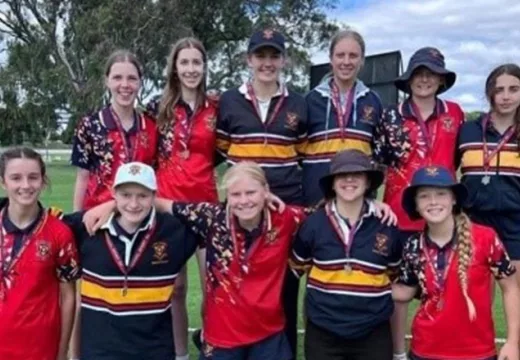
[(488, 151), (420, 131), (343, 112), (265, 122), (451, 261)]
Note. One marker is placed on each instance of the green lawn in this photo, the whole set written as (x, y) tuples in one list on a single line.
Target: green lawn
[(62, 179)]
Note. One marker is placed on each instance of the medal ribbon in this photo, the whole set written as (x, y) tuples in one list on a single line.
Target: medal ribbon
[(428, 139), (487, 155), (345, 241), (440, 276), (129, 149), (125, 270), (7, 265), (276, 111), (343, 114), (185, 126), (239, 249)]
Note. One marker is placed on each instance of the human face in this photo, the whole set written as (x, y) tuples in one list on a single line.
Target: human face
[(425, 83), (434, 204), (134, 202), (346, 60), (246, 198), (350, 187), (507, 95), (23, 181), (266, 64), (190, 67), (124, 83)]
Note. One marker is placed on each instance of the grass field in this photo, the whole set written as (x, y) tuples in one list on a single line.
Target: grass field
[(62, 179)]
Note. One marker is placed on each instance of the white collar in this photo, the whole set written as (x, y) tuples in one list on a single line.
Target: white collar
[(282, 90), (109, 225)]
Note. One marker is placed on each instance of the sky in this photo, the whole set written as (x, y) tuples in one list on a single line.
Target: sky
[(474, 36)]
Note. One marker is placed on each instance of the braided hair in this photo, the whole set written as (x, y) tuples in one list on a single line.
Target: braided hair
[(464, 251)]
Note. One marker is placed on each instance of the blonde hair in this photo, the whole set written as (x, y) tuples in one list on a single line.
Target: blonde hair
[(344, 34), (465, 253), (241, 169), (172, 91)]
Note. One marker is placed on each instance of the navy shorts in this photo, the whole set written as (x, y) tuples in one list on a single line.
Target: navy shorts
[(275, 347)]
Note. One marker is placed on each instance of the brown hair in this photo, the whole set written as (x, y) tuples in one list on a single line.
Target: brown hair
[(464, 252), (172, 91), (344, 34), (123, 56), (22, 153), (491, 82)]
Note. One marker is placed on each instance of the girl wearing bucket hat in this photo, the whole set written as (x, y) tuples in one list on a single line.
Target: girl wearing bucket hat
[(488, 151), (420, 131), (265, 122), (343, 113), (349, 255), (451, 262)]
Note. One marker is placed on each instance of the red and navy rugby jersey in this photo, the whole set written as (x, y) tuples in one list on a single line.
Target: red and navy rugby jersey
[(99, 147), (187, 176), (243, 302), (276, 146), (401, 145), (36, 260), (433, 323)]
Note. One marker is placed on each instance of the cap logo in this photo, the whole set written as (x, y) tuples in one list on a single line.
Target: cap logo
[(435, 54), (432, 171), (268, 34), (134, 170)]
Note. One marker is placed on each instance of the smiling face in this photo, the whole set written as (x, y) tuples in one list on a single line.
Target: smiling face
[(266, 63), (350, 187), (134, 202), (435, 205), (123, 82), (246, 198), (506, 98), (346, 59), (189, 66), (23, 181), (425, 83)]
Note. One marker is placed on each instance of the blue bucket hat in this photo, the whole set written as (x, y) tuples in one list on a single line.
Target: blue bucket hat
[(432, 176), (432, 59)]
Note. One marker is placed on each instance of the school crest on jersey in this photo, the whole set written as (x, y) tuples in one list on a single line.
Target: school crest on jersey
[(367, 115), (43, 250), (291, 121), (271, 236), (447, 124), (381, 244), (159, 253), (211, 122)]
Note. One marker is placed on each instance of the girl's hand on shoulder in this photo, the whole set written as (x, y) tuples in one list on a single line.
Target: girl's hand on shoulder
[(275, 203), (385, 213), (94, 218)]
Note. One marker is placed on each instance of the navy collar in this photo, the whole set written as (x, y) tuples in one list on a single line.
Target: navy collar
[(107, 118), (407, 110), (257, 231), (432, 245), (11, 228)]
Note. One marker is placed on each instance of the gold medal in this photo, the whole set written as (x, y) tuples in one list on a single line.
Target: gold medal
[(124, 291), (348, 268)]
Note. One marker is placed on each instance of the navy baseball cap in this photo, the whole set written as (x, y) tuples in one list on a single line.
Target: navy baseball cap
[(432, 176), (432, 59), (266, 38)]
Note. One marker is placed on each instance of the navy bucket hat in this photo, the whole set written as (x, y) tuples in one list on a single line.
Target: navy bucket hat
[(432, 59), (432, 176), (348, 162)]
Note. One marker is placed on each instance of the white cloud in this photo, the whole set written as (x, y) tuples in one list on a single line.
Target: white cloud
[(474, 36)]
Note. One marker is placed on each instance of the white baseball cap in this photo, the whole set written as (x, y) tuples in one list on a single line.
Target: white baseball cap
[(136, 173)]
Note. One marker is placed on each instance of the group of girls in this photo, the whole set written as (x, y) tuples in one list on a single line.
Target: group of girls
[(286, 151)]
